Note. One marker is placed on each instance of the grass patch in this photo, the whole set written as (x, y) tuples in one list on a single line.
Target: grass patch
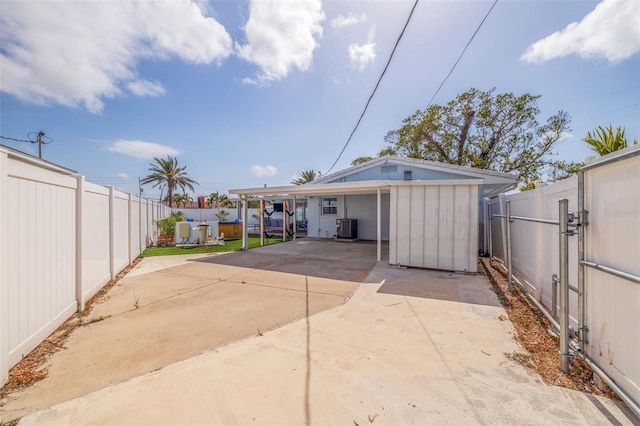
[(233, 245)]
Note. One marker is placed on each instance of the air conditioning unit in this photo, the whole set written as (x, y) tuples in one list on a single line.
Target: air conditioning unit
[(347, 228)]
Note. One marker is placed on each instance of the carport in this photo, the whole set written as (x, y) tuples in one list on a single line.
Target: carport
[(432, 223)]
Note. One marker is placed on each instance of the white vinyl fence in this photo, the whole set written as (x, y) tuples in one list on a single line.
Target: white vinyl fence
[(606, 266), (61, 240)]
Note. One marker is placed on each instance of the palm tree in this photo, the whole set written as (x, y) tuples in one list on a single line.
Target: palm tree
[(166, 171), (183, 199), (306, 176), (218, 200), (605, 141)]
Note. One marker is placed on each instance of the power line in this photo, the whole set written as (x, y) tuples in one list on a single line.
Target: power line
[(462, 54), (15, 140), (375, 88)]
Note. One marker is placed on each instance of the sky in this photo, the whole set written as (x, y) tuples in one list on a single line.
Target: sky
[(250, 93)]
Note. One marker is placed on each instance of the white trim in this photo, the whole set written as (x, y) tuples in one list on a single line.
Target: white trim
[(346, 188), (425, 164)]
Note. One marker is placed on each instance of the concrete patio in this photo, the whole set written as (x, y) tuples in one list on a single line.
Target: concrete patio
[(265, 337)]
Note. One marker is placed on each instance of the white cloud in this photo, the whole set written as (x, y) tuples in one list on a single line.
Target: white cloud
[(611, 31), (281, 36), (363, 54), (122, 175), (146, 88), (262, 171), (341, 21), (141, 149), (77, 53)]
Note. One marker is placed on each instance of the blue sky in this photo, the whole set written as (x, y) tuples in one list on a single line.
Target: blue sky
[(251, 93)]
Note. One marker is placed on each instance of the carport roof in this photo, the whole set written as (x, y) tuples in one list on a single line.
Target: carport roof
[(344, 188)]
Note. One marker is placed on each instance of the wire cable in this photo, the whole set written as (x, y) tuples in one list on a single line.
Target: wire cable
[(364, 111), (462, 54), (14, 139)]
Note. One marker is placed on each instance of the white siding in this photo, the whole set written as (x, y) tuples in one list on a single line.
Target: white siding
[(434, 226)]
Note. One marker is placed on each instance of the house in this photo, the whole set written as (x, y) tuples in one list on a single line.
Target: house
[(429, 212)]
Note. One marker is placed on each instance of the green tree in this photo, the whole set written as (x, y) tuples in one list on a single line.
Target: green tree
[(166, 172), (485, 130), (605, 141), (306, 176)]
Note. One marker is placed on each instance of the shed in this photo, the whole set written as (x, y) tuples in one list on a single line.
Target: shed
[(427, 211)]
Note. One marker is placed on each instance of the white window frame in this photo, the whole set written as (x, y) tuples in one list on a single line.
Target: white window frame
[(333, 206)]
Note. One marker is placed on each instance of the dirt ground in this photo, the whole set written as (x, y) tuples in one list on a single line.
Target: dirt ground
[(532, 333)]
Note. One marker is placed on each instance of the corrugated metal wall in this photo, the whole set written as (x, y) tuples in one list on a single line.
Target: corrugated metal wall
[(434, 226)]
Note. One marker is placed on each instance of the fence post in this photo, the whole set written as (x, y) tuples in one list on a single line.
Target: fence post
[(4, 289), (490, 220), (509, 270), (129, 228), (582, 222), (79, 249), (564, 283), (554, 296), (112, 249)]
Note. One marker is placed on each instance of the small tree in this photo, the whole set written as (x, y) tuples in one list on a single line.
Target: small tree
[(605, 141), (222, 215), (167, 226)]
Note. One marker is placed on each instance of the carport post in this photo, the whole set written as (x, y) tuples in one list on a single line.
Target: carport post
[(295, 224), (378, 226), (245, 243), (261, 218)]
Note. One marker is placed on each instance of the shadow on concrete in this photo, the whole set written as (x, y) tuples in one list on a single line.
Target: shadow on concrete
[(437, 285), (316, 258)]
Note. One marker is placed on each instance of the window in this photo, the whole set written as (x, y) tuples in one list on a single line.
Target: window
[(329, 205), (408, 175), (388, 169)]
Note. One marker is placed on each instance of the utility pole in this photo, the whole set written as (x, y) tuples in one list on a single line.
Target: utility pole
[(40, 135)]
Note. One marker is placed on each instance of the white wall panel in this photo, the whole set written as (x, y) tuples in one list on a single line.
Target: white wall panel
[(95, 239), (434, 226), (613, 239), (120, 231), (40, 256)]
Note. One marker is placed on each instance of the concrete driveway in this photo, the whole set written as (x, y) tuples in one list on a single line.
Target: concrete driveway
[(410, 347)]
